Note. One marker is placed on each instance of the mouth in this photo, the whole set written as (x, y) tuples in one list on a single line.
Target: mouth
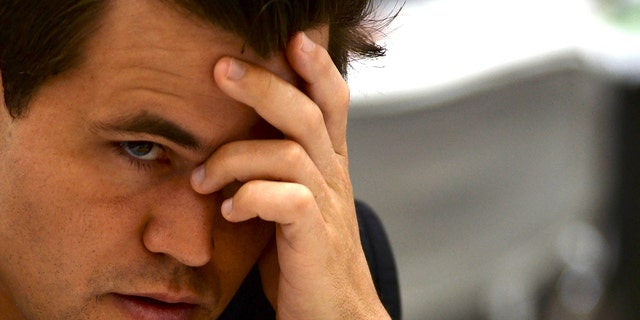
[(148, 307)]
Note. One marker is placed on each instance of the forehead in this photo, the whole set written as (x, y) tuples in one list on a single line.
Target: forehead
[(148, 58), (155, 34)]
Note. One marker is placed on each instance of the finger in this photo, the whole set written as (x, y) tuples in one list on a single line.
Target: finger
[(279, 103), (290, 205), (269, 268), (324, 84), (278, 160)]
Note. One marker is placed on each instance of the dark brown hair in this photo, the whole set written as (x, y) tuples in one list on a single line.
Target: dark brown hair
[(40, 39)]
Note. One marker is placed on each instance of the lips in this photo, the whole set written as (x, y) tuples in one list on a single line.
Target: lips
[(157, 307)]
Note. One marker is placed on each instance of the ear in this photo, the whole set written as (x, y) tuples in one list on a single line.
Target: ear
[(5, 127), (3, 106), (5, 116), (2, 103)]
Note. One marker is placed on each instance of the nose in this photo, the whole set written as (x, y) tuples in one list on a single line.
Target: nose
[(181, 226)]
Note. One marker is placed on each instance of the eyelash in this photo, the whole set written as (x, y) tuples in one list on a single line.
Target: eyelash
[(144, 165)]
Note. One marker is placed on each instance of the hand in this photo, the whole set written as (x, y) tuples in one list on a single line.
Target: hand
[(301, 183)]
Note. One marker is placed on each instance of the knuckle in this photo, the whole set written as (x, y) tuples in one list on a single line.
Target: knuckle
[(325, 63), (315, 119), (343, 92), (301, 198), (294, 153), (268, 84), (248, 190), (244, 196), (222, 153), (221, 160)]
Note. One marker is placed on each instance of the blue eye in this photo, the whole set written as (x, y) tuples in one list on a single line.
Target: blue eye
[(142, 150)]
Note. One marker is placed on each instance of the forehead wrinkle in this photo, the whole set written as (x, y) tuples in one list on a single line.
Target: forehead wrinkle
[(145, 75), (191, 88), (162, 60)]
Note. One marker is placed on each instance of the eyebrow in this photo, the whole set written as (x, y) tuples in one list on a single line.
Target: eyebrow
[(145, 122)]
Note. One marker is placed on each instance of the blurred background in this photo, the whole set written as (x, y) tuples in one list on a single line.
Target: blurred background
[(499, 141)]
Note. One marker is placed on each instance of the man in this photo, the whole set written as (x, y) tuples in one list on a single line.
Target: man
[(153, 152)]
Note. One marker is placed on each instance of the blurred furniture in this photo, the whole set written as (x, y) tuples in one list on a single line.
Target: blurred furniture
[(486, 142)]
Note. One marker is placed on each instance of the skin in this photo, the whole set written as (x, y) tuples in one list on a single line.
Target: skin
[(85, 225)]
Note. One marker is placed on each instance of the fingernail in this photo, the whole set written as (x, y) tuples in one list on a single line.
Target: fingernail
[(307, 45), (236, 70), (227, 207), (197, 176)]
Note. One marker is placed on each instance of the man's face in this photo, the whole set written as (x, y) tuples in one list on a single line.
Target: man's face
[(97, 216)]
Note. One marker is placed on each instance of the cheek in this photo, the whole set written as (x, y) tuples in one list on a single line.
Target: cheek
[(45, 234), (58, 207), (60, 196)]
